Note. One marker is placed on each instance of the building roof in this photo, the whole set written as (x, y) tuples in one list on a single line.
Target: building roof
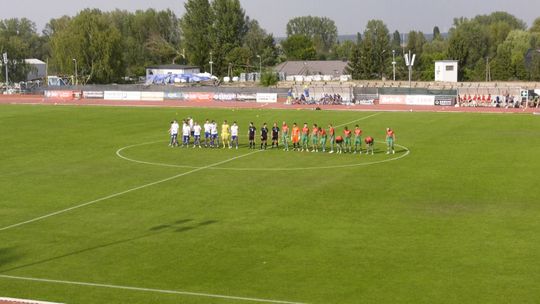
[(447, 61), (172, 67), (33, 61), (306, 68)]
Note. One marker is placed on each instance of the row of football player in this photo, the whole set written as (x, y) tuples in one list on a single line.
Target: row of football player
[(302, 139)]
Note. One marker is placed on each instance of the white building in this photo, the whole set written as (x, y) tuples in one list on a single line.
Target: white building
[(174, 69), (446, 70), (38, 69)]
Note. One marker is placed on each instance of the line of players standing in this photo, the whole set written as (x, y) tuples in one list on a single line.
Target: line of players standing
[(303, 139)]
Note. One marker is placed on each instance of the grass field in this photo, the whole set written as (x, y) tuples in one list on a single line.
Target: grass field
[(455, 221)]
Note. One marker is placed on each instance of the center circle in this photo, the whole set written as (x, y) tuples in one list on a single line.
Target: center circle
[(402, 153)]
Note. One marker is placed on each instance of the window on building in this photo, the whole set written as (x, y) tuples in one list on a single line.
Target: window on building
[(449, 68)]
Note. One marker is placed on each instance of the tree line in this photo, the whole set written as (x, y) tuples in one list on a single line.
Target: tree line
[(117, 46)]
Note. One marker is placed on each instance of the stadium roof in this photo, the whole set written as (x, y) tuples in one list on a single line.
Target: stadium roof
[(306, 68), (33, 61)]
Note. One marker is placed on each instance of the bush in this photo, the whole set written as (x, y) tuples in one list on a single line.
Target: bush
[(269, 78)]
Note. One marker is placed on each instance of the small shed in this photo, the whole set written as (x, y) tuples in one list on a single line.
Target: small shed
[(171, 69), (446, 71), (38, 69)]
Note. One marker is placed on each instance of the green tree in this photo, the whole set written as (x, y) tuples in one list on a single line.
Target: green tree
[(299, 47), (436, 33), (509, 64), (259, 42), (228, 31), (321, 30), (354, 68), (471, 41), (535, 28), (96, 44), (196, 25), (343, 50), (375, 50), (18, 38), (396, 42)]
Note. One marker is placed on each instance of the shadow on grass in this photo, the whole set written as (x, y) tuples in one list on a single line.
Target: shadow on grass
[(7, 256)]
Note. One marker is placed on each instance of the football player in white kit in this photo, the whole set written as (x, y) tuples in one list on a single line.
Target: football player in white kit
[(207, 134), (214, 142), (197, 135), (186, 132), (234, 135), (173, 131)]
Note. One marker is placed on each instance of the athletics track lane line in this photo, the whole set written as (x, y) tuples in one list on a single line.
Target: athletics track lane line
[(162, 291), (123, 192)]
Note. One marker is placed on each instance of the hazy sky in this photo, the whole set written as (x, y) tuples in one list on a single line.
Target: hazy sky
[(349, 15)]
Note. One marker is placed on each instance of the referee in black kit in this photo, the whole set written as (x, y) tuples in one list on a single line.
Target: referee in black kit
[(264, 137)]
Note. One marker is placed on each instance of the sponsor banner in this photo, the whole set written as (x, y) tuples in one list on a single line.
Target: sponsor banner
[(366, 102), (174, 96), (444, 100), (63, 95), (93, 94), (152, 96), (420, 100), (267, 97), (121, 95), (392, 100), (197, 96), (225, 96), (245, 97)]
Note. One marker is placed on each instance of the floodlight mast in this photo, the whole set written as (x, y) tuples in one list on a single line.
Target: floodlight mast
[(409, 61)]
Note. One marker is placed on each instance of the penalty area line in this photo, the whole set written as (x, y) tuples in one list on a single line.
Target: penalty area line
[(152, 290), (123, 192)]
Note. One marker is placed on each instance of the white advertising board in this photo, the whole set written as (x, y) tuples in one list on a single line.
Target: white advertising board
[(267, 97)]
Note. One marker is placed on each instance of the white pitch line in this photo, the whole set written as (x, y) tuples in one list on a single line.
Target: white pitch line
[(123, 192), (357, 120), (163, 291)]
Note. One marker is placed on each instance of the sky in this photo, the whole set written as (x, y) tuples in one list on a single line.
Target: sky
[(350, 16)]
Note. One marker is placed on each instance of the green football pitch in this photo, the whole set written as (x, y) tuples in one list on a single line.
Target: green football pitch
[(96, 208)]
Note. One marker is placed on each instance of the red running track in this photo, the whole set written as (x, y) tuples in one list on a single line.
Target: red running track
[(40, 100)]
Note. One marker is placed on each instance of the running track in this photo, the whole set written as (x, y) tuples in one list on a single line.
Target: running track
[(40, 100)]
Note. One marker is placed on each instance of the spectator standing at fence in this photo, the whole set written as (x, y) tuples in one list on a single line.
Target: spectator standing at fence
[(197, 135), (332, 133), (305, 138), (234, 134), (285, 136), (226, 134), (173, 131), (370, 142), (264, 137), (295, 137), (390, 139), (289, 96), (347, 134), (357, 140), (275, 136), (315, 138), (207, 135), (323, 136), (251, 135)]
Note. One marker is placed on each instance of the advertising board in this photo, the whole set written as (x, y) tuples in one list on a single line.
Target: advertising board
[(63, 95), (122, 95), (152, 96), (420, 100), (93, 94), (267, 97), (392, 100)]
